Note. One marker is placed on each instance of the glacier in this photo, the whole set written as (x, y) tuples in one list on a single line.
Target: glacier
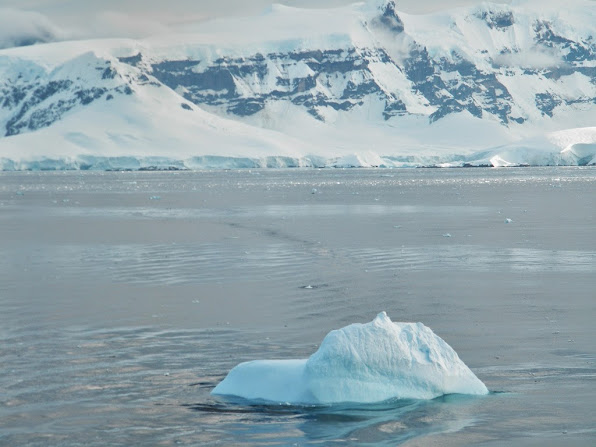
[(364, 85), (360, 363)]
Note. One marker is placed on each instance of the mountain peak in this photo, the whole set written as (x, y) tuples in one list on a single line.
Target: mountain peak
[(389, 17)]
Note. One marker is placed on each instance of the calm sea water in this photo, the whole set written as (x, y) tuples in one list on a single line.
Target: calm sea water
[(126, 297)]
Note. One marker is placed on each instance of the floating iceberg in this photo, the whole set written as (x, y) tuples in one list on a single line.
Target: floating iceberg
[(360, 363)]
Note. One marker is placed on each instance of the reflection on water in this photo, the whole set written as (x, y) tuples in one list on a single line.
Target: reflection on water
[(477, 259), (126, 297), (238, 261), (143, 386), (139, 386), (267, 211), (386, 423)]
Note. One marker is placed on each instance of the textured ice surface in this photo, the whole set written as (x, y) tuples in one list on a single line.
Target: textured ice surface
[(361, 363)]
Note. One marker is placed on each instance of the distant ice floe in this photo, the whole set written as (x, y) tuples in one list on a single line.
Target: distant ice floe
[(361, 363)]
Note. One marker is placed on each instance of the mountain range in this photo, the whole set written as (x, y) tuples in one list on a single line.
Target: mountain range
[(364, 85)]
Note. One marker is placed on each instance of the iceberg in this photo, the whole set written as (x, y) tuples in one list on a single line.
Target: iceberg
[(360, 363)]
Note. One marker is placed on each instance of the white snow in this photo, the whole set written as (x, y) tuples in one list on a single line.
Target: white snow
[(150, 127), (367, 159), (360, 363), (570, 147)]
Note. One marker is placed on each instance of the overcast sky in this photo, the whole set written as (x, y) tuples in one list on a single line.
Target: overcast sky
[(29, 21), (69, 12), (24, 21)]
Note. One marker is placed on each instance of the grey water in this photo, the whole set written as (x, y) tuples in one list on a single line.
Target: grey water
[(125, 297)]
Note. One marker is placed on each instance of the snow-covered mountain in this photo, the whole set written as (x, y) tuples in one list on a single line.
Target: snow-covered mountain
[(360, 85)]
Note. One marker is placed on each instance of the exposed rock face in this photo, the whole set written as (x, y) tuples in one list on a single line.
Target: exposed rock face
[(34, 99), (390, 18)]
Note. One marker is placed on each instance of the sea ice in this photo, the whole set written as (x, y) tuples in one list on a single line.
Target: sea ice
[(360, 363)]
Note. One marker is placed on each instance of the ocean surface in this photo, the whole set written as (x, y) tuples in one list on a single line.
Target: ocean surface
[(125, 297)]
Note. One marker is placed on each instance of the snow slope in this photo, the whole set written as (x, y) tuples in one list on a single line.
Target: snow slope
[(363, 85), (359, 363), (146, 126)]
